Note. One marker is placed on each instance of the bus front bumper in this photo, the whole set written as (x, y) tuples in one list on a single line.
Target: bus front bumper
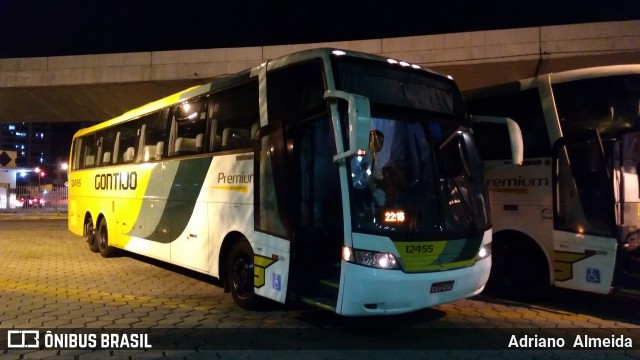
[(370, 291)]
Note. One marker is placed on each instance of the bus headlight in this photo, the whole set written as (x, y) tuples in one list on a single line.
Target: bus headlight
[(484, 252), (375, 259)]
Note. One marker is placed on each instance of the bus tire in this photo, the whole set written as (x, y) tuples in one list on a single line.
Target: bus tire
[(91, 236), (102, 239), (519, 271), (240, 276)]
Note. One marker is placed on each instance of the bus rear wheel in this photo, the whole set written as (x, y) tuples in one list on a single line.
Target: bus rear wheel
[(240, 276), (91, 236), (102, 239)]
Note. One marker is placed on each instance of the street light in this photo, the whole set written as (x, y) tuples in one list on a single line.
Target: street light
[(40, 174)]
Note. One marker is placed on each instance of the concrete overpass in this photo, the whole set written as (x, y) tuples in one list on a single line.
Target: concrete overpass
[(98, 87)]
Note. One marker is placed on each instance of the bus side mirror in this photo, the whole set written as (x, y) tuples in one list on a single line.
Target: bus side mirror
[(359, 121), (515, 135)]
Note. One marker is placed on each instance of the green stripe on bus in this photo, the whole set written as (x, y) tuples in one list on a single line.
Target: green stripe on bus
[(186, 183)]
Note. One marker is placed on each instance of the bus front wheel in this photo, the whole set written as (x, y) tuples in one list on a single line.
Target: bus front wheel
[(519, 271), (240, 276), (102, 239)]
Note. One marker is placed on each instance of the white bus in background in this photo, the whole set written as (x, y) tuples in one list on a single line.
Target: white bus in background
[(569, 215)]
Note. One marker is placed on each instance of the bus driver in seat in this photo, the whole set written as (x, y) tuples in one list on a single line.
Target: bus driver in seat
[(379, 179)]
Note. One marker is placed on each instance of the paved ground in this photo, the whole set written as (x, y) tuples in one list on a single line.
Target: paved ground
[(50, 281)]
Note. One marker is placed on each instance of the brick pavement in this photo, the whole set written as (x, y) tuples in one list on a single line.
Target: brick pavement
[(50, 280)]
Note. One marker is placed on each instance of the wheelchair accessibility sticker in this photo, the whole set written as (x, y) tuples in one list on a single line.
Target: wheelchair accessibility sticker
[(593, 275), (277, 281)]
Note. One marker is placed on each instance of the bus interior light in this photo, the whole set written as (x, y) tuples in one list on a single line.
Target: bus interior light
[(361, 152)]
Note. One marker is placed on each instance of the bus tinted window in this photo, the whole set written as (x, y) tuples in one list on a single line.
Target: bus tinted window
[(153, 133), (523, 107), (235, 115), (124, 147), (608, 104), (188, 127), (394, 85), (296, 91), (89, 151), (107, 140), (492, 141)]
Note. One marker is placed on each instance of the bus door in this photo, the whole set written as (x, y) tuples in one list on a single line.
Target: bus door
[(317, 215), (298, 204), (584, 242), (625, 152), (272, 246), (299, 211)]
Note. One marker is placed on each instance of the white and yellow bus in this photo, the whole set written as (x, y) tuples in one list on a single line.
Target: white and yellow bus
[(569, 215), (346, 180)]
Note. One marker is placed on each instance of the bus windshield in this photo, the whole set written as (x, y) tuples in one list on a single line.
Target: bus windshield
[(421, 177), (608, 104), (417, 180)]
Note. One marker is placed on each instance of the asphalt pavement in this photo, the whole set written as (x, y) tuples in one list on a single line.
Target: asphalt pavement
[(96, 308)]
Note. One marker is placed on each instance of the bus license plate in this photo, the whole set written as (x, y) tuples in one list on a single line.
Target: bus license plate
[(442, 286)]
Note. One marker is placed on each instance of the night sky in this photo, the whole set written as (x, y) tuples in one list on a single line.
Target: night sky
[(31, 28)]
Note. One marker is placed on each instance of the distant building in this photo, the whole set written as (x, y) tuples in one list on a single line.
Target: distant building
[(30, 141)]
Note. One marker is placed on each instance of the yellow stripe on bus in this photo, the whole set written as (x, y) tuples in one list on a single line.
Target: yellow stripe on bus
[(241, 188)]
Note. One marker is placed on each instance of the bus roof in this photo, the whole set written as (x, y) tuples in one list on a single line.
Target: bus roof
[(594, 72), (554, 78), (237, 78)]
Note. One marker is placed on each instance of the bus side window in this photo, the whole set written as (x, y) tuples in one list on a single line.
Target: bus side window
[(106, 158), (126, 145), (89, 159), (215, 140), (129, 154), (77, 150), (153, 132), (237, 114), (235, 138), (189, 123), (525, 108), (89, 152), (116, 147), (105, 153)]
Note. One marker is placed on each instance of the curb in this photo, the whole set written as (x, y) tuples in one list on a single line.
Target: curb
[(21, 216)]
